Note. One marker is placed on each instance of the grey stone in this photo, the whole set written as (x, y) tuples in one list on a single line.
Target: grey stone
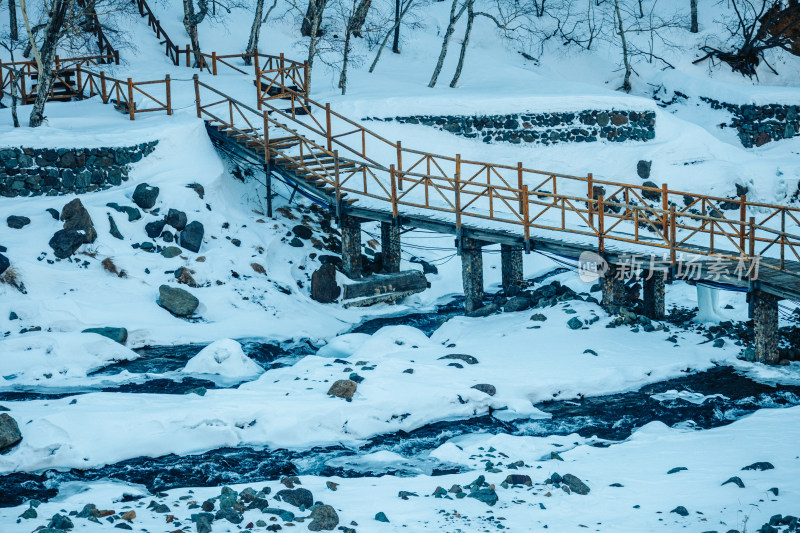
[(343, 388), (9, 433), (229, 514), (485, 495), (736, 480), (4, 263), (302, 231), (517, 303), (485, 388), (470, 360), (119, 335), (171, 251), (297, 497), (286, 516), (575, 484), (53, 212), (575, 323), (651, 195), (113, 229), (538, 317), (381, 517), (65, 242), (323, 518), (323, 284), (60, 522), (76, 217), (145, 196), (519, 479), (676, 469), (203, 525), (132, 212), (191, 237), (484, 311), (680, 510), (17, 221), (176, 219), (154, 228), (296, 243), (177, 301), (643, 169), (761, 466)]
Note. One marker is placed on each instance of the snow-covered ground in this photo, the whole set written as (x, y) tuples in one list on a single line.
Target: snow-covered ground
[(526, 361)]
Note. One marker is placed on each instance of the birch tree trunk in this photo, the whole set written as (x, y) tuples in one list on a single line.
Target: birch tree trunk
[(190, 21), (360, 17), (46, 54), (397, 16), (626, 83), (391, 31), (465, 42), (12, 20), (454, 16), (694, 28), (313, 12), (313, 37), (255, 31), (354, 24)]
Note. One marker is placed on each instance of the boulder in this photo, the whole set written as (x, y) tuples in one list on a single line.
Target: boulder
[(302, 231), (297, 497), (17, 221), (65, 242), (519, 479), (484, 311), (176, 219), (76, 217), (145, 196), (177, 301), (119, 335), (343, 388), (643, 169), (132, 212), (191, 237), (651, 195), (517, 303), (470, 360), (485, 495), (53, 213), (4, 263), (154, 228), (171, 251), (113, 229), (323, 518), (9, 432), (323, 284), (575, 323), (486, 388), (575, 484)]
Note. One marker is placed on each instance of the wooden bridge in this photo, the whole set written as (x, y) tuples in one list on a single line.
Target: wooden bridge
[(361, 176)]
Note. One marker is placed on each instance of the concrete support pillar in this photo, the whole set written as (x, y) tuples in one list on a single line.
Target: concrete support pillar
[(613, 291), (351, 246), (390, 247), (511, 267), (765, 322), (472, 273), (653, 291)]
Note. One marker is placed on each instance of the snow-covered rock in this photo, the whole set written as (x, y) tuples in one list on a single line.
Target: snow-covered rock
[(224, 358)]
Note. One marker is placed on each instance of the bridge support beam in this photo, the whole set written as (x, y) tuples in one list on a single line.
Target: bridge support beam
[(390, 247), (472, 273), (351, 246), (765, 324), (613, 291), (653, 291), (511, 268)]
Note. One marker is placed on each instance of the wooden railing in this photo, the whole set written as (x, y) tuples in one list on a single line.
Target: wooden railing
[(65, 70), (123, 93), (104, 46), (507, 196)]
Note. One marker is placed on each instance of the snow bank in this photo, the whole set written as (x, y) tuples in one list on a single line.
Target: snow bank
[(226, 359), (47, 358)]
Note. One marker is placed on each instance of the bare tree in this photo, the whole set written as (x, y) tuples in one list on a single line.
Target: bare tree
[(405, 8), (626, 83), (354, 21), (397, 17), (255, 29), (360, 17), (693, 7), (191, 19), (757, 26), (464, 42), (455, 14), (313, 15), (12, 21)]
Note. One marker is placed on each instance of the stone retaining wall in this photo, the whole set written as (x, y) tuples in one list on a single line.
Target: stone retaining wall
[(545, 128), (758, 125), (54, 171)]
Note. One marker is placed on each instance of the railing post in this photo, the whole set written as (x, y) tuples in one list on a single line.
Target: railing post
[(672, 235), (337, 184), (393, 177), (116, 57), (664, 197), (783, 235), (80, 84), (158, 29), (600, 225), (131, 108), (519, 185), (266, 136), (752, 238), (457, 201), (526, 217), (282, 71), (213, 63), (306, 86), (188, 63), (196, 79), (257, 70), (328, 126), (590, 204), (58, 60), (400, 165), (169, 95), (103, 87), (742, 219)]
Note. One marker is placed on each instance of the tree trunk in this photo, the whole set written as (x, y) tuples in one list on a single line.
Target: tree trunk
[(465, 42), (255, 31), (313, 38), (694, 28), (446, 41), (12, 21), (46, 57), (626, 83), (397, 16), (313, 12), (190, 22), (360, 17)]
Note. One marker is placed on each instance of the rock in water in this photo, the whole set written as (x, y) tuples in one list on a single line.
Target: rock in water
[(323, 517), (296, 497), (76, 217), (145, 196), (17, 222), (65, 242), (177, 301), (575, 484), (119, 335), (9, 433), (176, 219), (343, 388), (191, 237), (4, 263), (323, 284)]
